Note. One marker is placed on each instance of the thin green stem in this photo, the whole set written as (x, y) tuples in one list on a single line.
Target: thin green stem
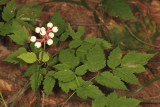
[(142, 86), (68, 98), (19, 93), (3, 99)]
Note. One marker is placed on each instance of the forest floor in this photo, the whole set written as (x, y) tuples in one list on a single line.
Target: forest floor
[(11, 80)]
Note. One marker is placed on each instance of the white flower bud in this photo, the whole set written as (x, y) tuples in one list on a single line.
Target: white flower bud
[(37, 44), (55, 29), (51, 35), (50, 42), (33, 39), (37, 29), (49, 25), (43, 32)]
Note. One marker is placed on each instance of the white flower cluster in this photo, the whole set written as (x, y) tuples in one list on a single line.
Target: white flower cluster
[(47, 35)]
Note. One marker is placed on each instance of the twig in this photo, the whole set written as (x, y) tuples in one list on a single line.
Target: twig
[(134, 36)]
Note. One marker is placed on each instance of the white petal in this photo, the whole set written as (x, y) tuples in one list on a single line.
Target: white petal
[(33, 39), (37, 29), (50, 25), (51, 35), (55, 29), (50, 42), (37, 44)]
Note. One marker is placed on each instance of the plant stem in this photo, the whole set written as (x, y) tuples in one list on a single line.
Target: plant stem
[(3, 99), (68, 98)]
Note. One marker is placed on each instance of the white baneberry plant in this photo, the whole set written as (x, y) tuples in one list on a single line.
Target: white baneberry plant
[(70, 65)]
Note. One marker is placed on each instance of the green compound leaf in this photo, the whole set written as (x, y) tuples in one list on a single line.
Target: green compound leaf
[(71, 85), (28, 57), (44, 55), (6, 29), (49, 82), (61, 67), (136, 58), (89, 90), (103, 43), (65, 75), (52, 60), (20, 36), (12, 58), (67, 57), (81, 70), (75, 43), (58, 21), (126, 75), (114, 58), (100, 101), (109, 80), (9, 11), (78, 34), (114, 101), (118, 8), (32, 69), (35, 78), (28, 13), (95, 59)]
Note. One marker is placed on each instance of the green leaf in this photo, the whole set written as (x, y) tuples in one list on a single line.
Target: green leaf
[(75, 43), (114, 101), (95, 59), (32, 69), (43, 71), (45, 57), (26, 24), (28, 57), (82, 51), (20, 36), (90, 91), (12, 58), (135, 68), (81, 70), (2, 2), (136, 58), (78, 34), (28, 14), (74, 84), (65, 75), (118, 8), (64, 36), (9, 11), (61, 67), (126, 75), (114, 58), (100, 101), (109, 80), (36, 81), (52, 61), (101, 42), (6, 29), (58, 21), (67, 57), (49, 83)]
